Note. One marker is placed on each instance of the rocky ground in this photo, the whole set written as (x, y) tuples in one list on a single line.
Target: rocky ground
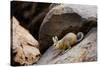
[(34, 24)]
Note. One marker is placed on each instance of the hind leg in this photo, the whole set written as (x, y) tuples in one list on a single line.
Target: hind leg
[(69, 47)]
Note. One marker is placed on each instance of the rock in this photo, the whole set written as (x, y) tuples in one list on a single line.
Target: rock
[(85, 51), (24, 47), (63, 19)]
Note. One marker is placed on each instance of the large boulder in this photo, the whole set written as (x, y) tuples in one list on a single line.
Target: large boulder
[(24, 47), (63, 18), (85, 51)]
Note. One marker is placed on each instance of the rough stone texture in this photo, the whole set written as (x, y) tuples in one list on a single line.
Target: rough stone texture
[(62, 19), (24, 46), (85, 51)]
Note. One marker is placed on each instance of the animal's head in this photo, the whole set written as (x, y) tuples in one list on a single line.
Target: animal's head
[(55, 40)]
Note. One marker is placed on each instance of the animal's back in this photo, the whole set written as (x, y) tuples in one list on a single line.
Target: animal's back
[(70, 38)]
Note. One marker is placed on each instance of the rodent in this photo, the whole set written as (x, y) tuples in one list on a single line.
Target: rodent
[(67, 41)]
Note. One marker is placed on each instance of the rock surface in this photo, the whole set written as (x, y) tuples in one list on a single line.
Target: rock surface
[(39, 22), (62, 19), (85, 51), (25, 48)]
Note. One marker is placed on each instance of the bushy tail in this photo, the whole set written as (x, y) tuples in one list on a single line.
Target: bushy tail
[(80, 36)]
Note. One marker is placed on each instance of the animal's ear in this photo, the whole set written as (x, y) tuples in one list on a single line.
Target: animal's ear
[(55, 39)]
